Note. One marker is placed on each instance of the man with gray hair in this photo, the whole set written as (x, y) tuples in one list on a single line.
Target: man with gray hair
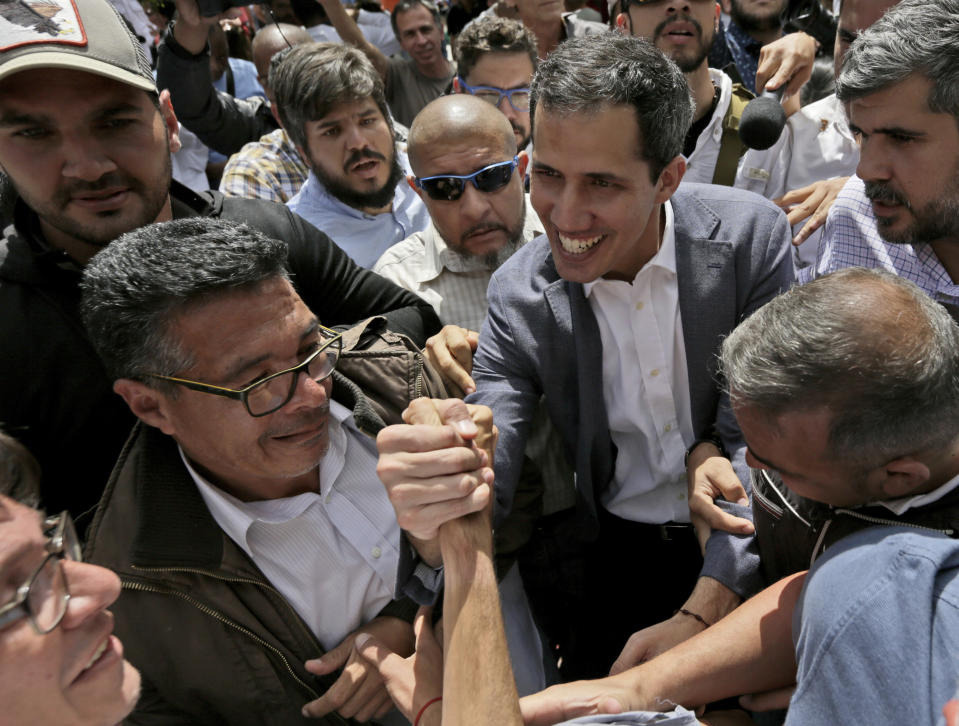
[(332, 105), (847, 388), (244, 515), (900, 81), (614, 316)]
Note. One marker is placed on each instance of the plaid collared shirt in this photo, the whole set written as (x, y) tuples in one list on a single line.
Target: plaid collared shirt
[(268, 169), (851, 239)]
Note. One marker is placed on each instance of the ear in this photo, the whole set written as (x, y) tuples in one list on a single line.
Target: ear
[(669, 178), (169, 120), (621, 23), (457, 88), (147, 404), (523, 163), (900, 477)]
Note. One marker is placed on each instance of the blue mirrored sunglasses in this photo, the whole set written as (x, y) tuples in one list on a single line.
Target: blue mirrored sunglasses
[(450, 187)]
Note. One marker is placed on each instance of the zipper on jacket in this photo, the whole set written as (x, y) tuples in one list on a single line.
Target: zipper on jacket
[(262, 584), (892, 522), (217, 615)]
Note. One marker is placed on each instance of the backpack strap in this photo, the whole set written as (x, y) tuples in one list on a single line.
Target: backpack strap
[(731, 147)]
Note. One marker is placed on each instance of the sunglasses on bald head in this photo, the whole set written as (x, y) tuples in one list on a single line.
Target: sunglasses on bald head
[(450, 187)]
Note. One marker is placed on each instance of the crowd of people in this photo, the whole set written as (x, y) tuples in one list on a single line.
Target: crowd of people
[(479, 365)]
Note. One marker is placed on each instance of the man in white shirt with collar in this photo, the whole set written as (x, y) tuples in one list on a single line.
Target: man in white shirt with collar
[(615, 316), (330, 99), (245, 513)]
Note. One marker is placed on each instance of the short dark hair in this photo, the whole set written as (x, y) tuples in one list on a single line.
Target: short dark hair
[(403, 5), (19, 472), (308, 80), (866, 344), (592, 73), (914, 36), (493, 35), (134, 288)]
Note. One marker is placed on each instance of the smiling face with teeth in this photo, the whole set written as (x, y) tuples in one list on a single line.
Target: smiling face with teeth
[(594, 192), (75, 674)]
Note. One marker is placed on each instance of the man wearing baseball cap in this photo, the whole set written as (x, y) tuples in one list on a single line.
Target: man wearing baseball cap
[(85, 141)]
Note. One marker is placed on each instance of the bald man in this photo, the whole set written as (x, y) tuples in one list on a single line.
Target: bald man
[(469, 175), (270, 168)]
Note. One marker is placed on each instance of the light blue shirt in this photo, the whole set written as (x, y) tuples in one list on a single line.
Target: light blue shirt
[(877, 630), (364, 237)]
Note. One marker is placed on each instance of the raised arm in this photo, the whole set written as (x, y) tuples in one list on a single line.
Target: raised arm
[(350, 32)]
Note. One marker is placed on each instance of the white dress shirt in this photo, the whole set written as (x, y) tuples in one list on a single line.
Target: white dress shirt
[(701, 164), (816, 144), (454, 285), (646, 387), (333, 555)]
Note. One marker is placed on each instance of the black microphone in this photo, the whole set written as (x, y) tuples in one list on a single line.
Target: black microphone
[(763, 120)]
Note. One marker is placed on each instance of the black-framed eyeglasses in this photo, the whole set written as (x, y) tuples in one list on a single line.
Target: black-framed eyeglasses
[(271, 393), (450, 187), (44, 596), (518, 97)]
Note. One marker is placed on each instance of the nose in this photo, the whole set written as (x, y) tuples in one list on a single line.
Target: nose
[(86, 161), (355, 139), (474, 204), (92, 590), (570, 212), (873, 163), (309, 393)]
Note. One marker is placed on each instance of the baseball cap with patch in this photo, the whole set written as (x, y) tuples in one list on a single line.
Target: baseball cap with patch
[(81, 35)]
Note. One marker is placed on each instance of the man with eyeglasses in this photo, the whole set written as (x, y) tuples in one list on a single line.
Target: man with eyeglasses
[(496, 61), (244, 517), (59, 660)]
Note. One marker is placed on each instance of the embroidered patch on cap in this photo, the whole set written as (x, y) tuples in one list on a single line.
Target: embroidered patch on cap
[(26, 22)]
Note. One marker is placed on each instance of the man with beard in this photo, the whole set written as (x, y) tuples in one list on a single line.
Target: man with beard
[(752, 24), (468, 173), (470, 177), (497, 59), (85, 140), (685, 30), (332, 105), (901, 211)]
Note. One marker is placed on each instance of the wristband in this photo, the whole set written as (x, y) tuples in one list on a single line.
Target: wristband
[(694, 616), (714, 440), (416, 721)]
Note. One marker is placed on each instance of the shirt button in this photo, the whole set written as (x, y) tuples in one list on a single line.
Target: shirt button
[(376, 552), (654, 372), (667, 428), (639, 306)]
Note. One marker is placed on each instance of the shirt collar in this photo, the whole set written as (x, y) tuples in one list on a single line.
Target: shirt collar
[(900, 506), (235, 517), (743, 39), (664, 258)]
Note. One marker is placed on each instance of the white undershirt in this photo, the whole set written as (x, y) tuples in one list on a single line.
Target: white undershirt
[(332, 555), (646, 387)]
